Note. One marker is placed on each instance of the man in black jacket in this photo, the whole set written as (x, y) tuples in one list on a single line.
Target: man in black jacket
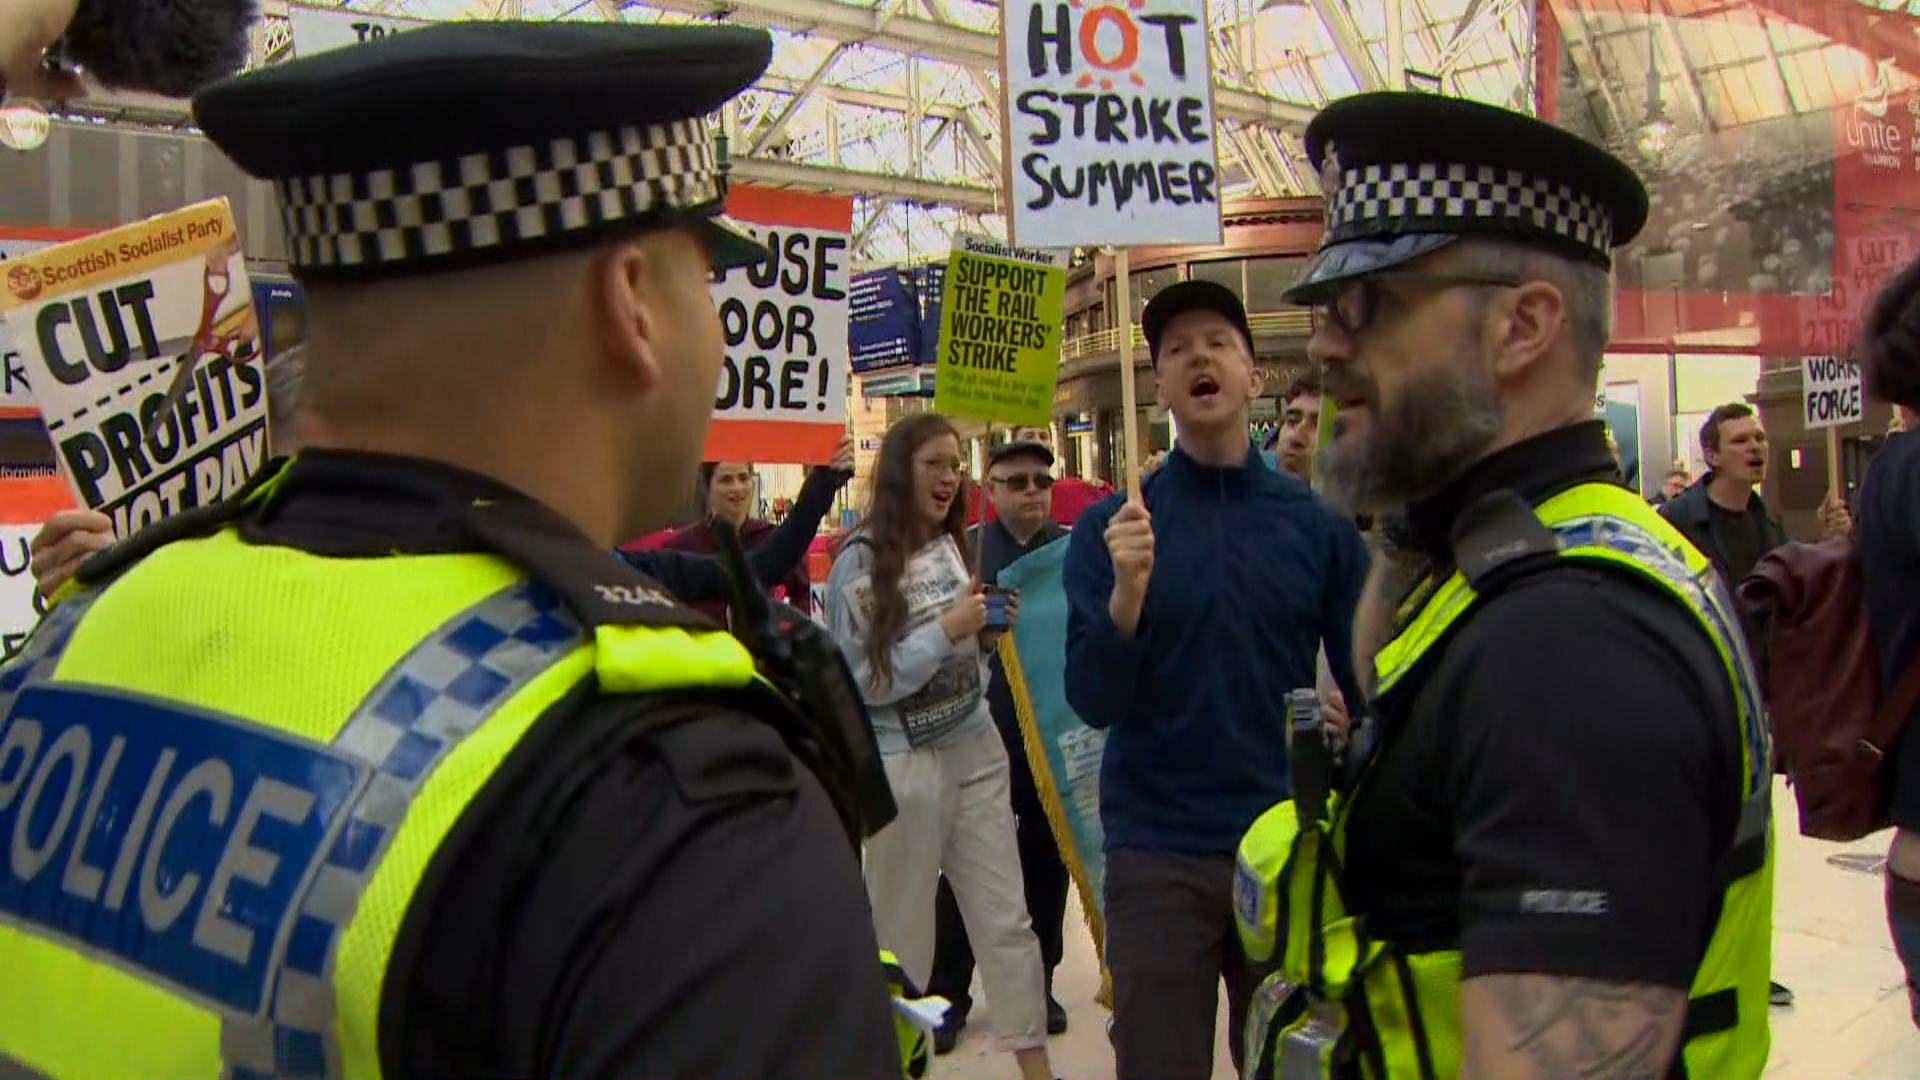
[(1722, 512), (1019, 484), (1724, 516)]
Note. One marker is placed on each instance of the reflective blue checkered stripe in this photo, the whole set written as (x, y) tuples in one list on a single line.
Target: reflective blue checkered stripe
[(443, 690), (41, 654), (1701, 590), (1707, 595)]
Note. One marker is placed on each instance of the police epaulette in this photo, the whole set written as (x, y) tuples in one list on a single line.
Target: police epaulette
[(598, 588), (1500, 536)]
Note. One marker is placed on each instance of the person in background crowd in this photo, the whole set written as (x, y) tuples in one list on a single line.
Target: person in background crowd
[(912, 622), (1887, 543), (1019, 483), (1671, 485), (1071, 495), (1722, 513), (1294, 444), (728, 489), (1560, 846), (1724, 516), (576, 829), (1151, 464), (1299, 435), (1195, 606), (69, 537)]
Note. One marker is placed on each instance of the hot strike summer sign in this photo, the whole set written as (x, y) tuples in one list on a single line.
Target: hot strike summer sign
[(1109, 123), (782, 395)]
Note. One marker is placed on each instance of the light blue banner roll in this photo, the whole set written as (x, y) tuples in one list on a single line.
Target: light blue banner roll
[(1063, 752)]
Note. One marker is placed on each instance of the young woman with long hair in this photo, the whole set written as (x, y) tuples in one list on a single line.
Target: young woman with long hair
[(904, 608)]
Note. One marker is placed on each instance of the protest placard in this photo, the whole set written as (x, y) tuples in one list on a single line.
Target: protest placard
[(1000, 332), (104, 325), (24, 505), (782, 395), (1109, 123), (1830, 394), (317, 29), (16, 394)]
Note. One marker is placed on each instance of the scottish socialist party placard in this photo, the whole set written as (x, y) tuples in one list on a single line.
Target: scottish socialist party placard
[(782, 395), (16, 394), (1001, 322), (104, 325), (1110, 135)]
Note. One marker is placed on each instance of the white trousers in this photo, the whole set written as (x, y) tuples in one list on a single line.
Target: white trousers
[(956, 818)]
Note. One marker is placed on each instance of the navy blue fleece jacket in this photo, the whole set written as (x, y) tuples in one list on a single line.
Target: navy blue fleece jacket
[(1251, 573)]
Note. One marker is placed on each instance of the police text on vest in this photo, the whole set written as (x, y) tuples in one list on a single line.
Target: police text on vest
[(177, 843)]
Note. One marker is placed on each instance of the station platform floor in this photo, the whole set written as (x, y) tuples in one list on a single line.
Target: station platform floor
[(1850, 1020)]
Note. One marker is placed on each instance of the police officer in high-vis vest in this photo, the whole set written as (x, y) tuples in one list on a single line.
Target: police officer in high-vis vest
[(387, 767), (1556, 862)]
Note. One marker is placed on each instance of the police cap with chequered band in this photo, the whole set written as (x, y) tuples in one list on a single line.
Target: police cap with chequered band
[(469, 143), (1406, 174)]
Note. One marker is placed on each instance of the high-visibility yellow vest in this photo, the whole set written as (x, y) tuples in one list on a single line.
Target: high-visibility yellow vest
[(1343, 1003), (223, 774)]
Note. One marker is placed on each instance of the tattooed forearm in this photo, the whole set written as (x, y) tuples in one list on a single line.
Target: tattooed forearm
[(1542, 1027)]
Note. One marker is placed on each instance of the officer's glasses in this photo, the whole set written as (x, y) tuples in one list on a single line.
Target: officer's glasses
[(1352, 309)]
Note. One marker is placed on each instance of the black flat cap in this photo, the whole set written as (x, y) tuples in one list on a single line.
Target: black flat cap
[(1020, 448), (461, 144), (1405, 174), (1184, 296)]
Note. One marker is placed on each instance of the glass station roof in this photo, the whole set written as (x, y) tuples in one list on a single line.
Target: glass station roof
[(896, 101)]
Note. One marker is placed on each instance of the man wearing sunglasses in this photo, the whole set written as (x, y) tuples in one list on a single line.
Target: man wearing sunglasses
[(1557, 861), (1019, 486)]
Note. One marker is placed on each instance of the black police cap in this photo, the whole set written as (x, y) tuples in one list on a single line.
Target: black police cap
[(1405, 174), (1184, 296), (461, 144)]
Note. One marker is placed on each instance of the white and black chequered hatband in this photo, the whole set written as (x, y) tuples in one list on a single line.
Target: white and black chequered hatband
[(1396, 199), (476, 203)]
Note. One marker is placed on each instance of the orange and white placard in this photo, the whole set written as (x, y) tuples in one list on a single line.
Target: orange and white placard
[(782, 396), (16, 396)]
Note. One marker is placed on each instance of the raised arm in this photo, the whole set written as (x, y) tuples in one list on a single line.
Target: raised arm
[(785, 551), (694, 578), (1103, 663)]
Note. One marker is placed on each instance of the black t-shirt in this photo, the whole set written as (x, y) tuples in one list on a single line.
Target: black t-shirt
[(648, 887), (1558, 778), (1742, 537)]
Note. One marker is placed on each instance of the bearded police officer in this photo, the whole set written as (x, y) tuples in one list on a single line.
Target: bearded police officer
[(388, 767), (1556, 863)]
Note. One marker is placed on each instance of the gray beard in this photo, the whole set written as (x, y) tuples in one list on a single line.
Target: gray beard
[(1443, 422)]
